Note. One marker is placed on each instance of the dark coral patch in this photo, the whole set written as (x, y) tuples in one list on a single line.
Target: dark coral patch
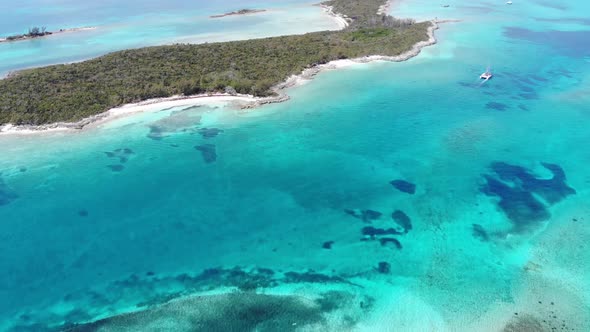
[(372, 231), (369, 215), (520, 206), (404, 186), (333, 300), (518, 200), (402, 220), (240, 311), (365, 215), (538, 78), (496, 106), (156, 133), (384, 267), (386, 240), (552, 190), (327, 244), (311, 277), (208, 152), (479, 232), (209, 132), (83, 213), (121, 154), (116, 168), (523, 107), (6, 194), (529, 96), (152, 292)]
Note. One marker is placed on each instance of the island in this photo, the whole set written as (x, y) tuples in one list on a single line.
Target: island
[(36, 32), (239, 12), (258, 67)]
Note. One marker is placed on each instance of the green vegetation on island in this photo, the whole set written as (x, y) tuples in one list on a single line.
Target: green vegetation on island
[(68, 93), (239, 12), (34, 32)]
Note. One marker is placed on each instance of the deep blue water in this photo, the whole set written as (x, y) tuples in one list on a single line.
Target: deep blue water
[(433, 201)]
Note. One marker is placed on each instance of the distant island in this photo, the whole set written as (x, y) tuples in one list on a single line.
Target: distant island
[(257, 67), (36, 32), (239, 12)]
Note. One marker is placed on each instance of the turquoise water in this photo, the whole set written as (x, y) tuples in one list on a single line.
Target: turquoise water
[(142, 23), (128, 214)]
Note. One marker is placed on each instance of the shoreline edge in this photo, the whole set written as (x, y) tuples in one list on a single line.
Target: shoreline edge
[(246, 101)]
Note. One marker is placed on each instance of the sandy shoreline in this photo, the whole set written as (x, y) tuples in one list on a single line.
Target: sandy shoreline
[(241, 101)]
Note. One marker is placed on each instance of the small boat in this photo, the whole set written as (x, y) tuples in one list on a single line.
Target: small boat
[(508, 2), (486, 75)]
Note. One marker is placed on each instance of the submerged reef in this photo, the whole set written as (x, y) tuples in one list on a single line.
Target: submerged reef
[(150, 292), (384, 268), (385, 240), (373, 231), (6, 194), (209, 132), (402, 220), (496, 106), (404, 186), (156, 133), (521, 323), (178, 121), (122, 154), (519, 191), (552, 190), (479, 232), (312, 277), (208, 152), (116, 168), (243, 311), (365, 215)]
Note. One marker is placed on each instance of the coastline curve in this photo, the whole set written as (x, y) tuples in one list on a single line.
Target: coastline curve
[(243, 101)]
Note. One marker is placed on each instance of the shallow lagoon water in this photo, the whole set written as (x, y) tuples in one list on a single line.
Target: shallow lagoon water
[(114, 219)]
